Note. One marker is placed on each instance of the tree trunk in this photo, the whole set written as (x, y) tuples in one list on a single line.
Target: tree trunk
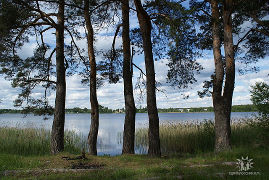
[(222, 99), (230, 65), (222, 124), (145, 27), (57, 133), (92, 137), (129, 124)]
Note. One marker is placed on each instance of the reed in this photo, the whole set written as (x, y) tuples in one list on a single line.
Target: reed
[(178, 138), (32, 141)]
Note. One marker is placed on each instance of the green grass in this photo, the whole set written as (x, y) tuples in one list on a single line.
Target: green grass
[(142, 166), (187, 148), (8, 161)]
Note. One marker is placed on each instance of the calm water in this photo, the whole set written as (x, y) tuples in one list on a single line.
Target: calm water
[(110, 126)]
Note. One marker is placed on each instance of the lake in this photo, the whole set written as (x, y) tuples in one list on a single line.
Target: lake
[(110, 126)]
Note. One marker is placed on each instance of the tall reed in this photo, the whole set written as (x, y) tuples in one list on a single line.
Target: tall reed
[(177, 138), (31, 141), (181, 137)]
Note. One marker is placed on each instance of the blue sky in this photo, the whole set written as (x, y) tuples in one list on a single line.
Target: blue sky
[(111, 95)]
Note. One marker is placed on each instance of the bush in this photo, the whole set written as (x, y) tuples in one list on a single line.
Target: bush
[(260, 98)]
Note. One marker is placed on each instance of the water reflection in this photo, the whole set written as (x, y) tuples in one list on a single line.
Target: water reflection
[(110, 127)]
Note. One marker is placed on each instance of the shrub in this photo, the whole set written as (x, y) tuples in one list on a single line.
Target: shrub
[(260, 97)]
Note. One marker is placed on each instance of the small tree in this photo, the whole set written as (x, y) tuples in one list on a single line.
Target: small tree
[(260, 98)]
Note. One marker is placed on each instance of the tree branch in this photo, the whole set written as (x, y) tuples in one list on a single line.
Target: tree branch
[(46, 29), (66, 4), (73, 40), (40, 80), (160, 14), (260, 22), (146, 76), (48, 68), (102, 4), (242, 39), (262, 31), (51, 54), (43, 15), (33, 23), (139, 69), (114, 39), (206, 13)]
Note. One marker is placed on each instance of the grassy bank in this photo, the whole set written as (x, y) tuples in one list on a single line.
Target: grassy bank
[(200, 166), (187, 153)]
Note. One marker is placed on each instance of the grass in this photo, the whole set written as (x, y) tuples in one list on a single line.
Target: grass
[(187, 148), (8, 161), (202, 166)]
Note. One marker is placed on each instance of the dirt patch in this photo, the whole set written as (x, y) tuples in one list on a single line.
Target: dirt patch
[(229, 163), (201, 165), (56, 165), (38, 172), (86, 165)]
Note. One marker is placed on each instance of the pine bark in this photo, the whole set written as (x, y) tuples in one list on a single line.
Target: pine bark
[(145, 28), (222, 97), (92, 137), (129, 124), (57, 133)]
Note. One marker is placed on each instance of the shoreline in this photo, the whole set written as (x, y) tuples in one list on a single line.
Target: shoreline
[(136, 113)]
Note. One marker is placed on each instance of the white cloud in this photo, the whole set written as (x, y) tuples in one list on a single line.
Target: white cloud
[(240, 89), (27, 50)]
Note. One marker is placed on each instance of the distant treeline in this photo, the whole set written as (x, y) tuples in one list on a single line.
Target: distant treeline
[(102, 109), (2, 111), (235, 108)]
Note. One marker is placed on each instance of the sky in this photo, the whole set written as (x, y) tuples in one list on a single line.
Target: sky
[(111, 95)]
